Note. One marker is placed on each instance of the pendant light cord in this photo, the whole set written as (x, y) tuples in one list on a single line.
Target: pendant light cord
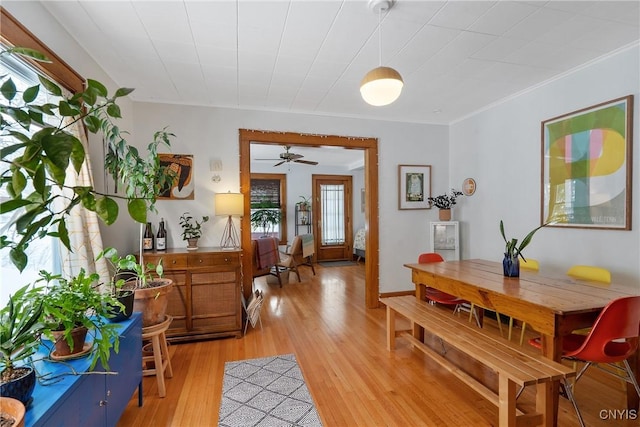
[(379, 38)]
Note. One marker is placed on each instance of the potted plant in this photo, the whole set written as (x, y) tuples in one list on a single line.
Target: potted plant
[(74, 308), (20, 329), (191, 229), (305, 204), (151, 295), (265, 217), (444, 202), (11, 412), (510, 263)]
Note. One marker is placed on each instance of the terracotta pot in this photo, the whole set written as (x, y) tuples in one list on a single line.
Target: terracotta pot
[(444, 214), (78, 336), (152, 302), (14, 409), (192, 243)]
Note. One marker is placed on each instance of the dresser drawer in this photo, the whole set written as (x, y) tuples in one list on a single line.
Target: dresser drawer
[(211, 259), (169, 261)]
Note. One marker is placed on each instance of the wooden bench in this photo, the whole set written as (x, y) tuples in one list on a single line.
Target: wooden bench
[(513, 367)]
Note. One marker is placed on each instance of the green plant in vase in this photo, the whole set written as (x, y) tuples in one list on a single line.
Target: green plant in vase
[(510, 263)]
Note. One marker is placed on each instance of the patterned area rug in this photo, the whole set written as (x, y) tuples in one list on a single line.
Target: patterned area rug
[(269, 391)]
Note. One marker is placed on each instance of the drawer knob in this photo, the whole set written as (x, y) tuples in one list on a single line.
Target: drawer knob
[(173, 261), (227, 260), (200, 261)]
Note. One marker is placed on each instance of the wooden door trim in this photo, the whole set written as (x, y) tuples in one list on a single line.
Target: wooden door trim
[(370, 148)]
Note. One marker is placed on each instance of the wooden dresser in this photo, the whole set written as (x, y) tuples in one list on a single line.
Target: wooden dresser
[(205, 301)]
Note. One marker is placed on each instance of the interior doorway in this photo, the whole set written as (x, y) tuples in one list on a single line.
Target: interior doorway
[(369, 146)]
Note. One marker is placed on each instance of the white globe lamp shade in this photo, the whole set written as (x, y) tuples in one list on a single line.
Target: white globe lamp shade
[(381, 86)]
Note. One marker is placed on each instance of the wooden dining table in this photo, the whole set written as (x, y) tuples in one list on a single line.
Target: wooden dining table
[(552, 304)]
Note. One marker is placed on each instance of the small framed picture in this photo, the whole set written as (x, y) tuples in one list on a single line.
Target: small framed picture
[(414, 186)]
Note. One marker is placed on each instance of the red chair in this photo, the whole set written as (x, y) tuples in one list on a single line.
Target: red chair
[(435, 295), (612, 339)]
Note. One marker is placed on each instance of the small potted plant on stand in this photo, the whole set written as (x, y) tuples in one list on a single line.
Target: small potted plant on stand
[(445, 202), (20, 330), (191, 229), (151, 292)]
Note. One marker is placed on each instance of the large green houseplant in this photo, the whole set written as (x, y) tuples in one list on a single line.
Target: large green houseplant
[(40, 154), (37, 161)]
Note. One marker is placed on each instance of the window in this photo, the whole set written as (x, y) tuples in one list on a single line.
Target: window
[(269, 196), (333, 214), (43, 253)]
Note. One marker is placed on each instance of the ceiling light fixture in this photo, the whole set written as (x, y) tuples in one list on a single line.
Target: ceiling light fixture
[(382, 85)]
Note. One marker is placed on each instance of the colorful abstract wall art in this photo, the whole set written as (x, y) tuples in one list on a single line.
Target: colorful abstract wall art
[(183, 186), (586, 167)]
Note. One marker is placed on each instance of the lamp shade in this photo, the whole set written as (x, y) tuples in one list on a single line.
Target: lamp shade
[(229, 204), (381, 86)]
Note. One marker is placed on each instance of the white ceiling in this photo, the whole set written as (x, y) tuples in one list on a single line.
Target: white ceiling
[(456, 57)]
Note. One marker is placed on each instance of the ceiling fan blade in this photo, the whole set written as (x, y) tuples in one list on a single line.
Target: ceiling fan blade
[(293, 156), (279, 163), (306, 162)]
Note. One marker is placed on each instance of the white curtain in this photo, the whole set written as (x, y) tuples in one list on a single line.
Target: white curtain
[(83, 224)]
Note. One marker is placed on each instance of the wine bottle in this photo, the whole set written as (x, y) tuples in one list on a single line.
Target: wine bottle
[(147, 240), (161, 238)]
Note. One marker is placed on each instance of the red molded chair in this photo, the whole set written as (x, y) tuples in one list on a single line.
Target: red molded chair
[(435, 295), (612, 339)]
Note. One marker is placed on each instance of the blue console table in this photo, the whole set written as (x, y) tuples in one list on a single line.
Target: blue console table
[(94, 399)]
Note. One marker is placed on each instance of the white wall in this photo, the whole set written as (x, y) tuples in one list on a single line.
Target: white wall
[(500, 148), (213, 133)]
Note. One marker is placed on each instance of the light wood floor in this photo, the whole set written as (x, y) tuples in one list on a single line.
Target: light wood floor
[(341, 349)]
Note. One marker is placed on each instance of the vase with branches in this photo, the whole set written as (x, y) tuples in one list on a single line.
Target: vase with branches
[(445, 202)]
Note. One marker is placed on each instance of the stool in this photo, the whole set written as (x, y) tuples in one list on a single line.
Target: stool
[(162, 362)]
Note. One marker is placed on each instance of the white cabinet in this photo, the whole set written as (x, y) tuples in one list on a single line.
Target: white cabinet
[(445, 239)]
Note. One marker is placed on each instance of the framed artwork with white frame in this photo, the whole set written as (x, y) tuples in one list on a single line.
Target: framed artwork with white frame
[(414, 186)]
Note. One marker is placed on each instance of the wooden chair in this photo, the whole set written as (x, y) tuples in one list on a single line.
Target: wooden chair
[(265, 258), (300, 253)]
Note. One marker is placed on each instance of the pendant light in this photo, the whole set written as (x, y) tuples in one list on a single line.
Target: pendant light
[(382, 85)]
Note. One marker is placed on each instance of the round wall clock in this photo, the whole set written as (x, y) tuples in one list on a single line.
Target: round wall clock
[(468, 186)]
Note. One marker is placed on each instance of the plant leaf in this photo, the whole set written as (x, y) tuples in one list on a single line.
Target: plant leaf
[(138, 210)]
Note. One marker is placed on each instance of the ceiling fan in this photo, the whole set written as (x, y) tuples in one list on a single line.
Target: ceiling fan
[(287, 157)]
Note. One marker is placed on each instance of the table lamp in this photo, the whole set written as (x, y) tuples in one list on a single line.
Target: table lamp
[(229, 204)]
